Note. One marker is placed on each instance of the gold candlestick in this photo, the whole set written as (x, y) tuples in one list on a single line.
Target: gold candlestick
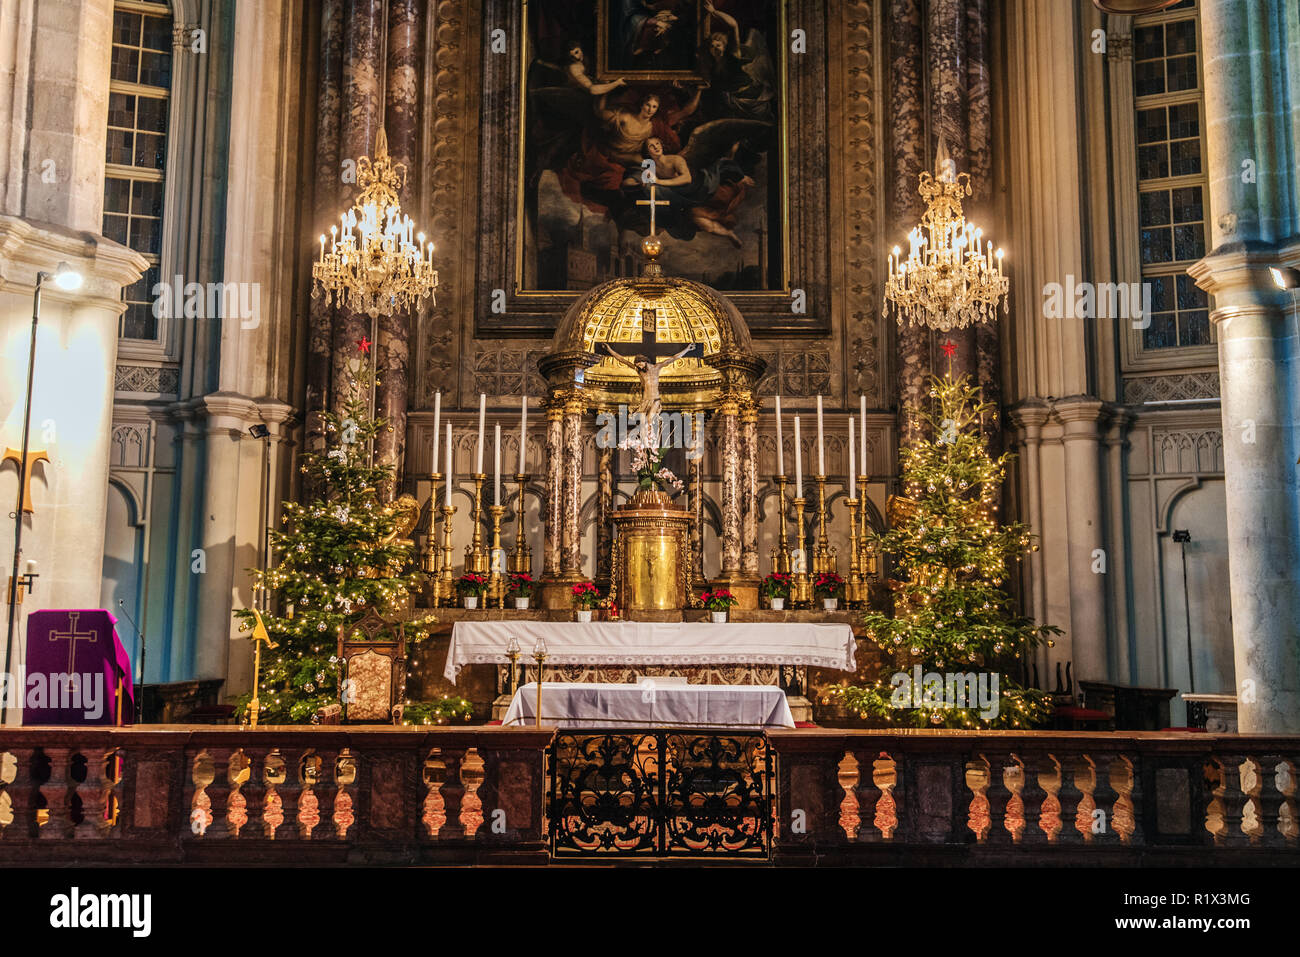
[(497, 579), (800, 585), (853, 590), (446, 586), (781, 554), (521, 559), (431, 553), (476, 560), (867, 560), (824, 559), (540, 655), (512, 653)]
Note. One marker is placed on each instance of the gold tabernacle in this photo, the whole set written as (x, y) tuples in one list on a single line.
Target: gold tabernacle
[(652, 551)]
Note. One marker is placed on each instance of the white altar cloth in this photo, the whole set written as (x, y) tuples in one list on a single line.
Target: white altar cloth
[(647, 705), (653, 643)]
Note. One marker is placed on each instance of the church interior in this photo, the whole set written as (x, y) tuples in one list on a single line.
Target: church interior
[(877, 399)]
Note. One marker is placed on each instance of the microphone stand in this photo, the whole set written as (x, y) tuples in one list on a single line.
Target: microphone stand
[(139, 698)]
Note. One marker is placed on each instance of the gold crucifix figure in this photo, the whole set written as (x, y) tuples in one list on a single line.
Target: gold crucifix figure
[(26, 470), (652, 203)]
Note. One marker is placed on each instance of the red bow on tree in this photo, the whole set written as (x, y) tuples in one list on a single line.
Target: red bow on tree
[(364, 344)]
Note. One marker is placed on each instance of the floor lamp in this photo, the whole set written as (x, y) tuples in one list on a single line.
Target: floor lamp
[(67, 279)]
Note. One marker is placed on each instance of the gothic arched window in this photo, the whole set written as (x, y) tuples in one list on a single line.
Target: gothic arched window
[(139, 90), (1172, 184)]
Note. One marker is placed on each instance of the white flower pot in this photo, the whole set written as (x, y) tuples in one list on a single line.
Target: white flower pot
[(584, 614), (471, 601), (521, 604), (719, 617), (830, 604), (778, 604)]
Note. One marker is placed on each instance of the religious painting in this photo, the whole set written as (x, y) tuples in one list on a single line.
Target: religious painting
[(682, 99)]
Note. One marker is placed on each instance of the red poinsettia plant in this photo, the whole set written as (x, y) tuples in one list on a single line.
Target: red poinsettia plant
[(718, 600), (522, 585), (586, 595), (775, 585), (472, 584), (828, 585)]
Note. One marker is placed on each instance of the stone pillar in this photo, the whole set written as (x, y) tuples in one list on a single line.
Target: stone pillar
[(749, 490), (1029, 419), (571, 536), (401, 120), (329, 206), (1117, 444), (1258, 349), (362, 90), (730, 422), (1080, 418), (695, 489), (604, 515), (907, 160), (553, 509)]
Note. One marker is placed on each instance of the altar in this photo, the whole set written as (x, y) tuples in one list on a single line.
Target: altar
[(649, 704)]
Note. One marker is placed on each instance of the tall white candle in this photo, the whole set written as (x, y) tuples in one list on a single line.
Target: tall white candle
[(448, 500), (780, 441), (798, 462), (862, 426), (523, 431), (821, 445), (437, 427), (853, 459), (482, 417), (496, 473)]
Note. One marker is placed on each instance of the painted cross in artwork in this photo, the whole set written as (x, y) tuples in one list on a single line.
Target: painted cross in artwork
[(682, 93)]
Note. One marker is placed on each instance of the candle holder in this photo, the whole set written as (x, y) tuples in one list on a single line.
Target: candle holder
[(853, 588), (824, 558), (867, 559), (800, 583), (521, 559), (476, 560), (497, 576), (781, 554), (446, 585), (540, 656), (512, 655)]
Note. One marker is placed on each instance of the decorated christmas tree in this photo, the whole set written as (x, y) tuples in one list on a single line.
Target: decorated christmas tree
[(953, 625), (339, 554)]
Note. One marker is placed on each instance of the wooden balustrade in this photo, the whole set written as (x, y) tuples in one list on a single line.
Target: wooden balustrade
[(476, 795)]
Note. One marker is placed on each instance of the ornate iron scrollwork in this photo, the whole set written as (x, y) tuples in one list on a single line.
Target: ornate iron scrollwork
[(660, 793)]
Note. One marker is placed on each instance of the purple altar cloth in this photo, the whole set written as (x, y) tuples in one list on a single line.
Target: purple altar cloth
[(82, 644)]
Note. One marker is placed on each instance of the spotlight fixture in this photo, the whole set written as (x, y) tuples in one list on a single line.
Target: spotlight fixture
[(1285, 277), (67, 278), (258, 431)]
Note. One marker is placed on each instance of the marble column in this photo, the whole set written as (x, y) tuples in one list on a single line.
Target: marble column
[(1255, 226), (695, 489), (361, 104), (749, 490), (571, 538), (401, 122), (604, 515), (907, 160), (553, 507), (1028, 418), (731, 481), (328, 207), (1080, 418)]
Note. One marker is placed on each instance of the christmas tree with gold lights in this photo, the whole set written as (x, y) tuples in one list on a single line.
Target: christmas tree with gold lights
[(953, 616), (339, 554)]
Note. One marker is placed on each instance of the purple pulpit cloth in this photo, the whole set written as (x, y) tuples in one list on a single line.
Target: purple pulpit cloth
[(75, 665)]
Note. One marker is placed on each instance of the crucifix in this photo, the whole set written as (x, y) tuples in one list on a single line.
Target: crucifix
[(647, 369), (652, 203), (74, 636), (25, 471)]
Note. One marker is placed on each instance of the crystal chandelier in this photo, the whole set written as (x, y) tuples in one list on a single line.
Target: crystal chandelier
[(947, 281), (376, 265)]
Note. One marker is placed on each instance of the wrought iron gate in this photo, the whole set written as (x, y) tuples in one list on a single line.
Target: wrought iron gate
[(660, 793)]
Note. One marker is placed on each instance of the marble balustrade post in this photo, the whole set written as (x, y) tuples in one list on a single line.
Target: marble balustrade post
[(731, 487), (604, 515), (328, 194), (554, 508), (749, 489), (571, 557), (362, 104), (907, 160), (401, 122)]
